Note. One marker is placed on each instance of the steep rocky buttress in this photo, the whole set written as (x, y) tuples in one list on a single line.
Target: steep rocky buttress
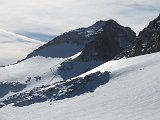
[(112, 40), (148, 41)]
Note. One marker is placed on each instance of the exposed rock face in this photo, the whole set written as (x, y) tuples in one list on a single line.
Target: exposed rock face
[(148, 41), (59, 90), (112, 40)]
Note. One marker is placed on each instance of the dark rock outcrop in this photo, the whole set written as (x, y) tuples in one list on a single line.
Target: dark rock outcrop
[(111, 41), (59, 90), (148, 41)]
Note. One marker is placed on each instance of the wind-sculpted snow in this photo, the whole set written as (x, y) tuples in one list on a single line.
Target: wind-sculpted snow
[(59, 90)]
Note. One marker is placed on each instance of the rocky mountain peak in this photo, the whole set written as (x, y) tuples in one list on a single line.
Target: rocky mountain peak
[(113, 39), (111, 22), (148, 41)]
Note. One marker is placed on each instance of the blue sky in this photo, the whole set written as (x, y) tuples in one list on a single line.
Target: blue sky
[(58, 16)]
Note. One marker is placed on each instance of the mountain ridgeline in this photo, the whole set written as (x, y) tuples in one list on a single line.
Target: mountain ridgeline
[(148, 41), (112, 40), (69, 43), (103, 41)]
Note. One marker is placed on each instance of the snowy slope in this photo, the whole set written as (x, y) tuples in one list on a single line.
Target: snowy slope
[(14, 47), (132, 93), (32, 72), (30, 68)]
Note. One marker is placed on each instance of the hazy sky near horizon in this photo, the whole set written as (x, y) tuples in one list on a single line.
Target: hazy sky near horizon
[(58, 16)]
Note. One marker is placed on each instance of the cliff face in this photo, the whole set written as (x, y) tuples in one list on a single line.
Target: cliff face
[(112, 40)]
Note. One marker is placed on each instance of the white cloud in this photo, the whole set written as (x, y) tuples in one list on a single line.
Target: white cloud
[(58, 16)]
